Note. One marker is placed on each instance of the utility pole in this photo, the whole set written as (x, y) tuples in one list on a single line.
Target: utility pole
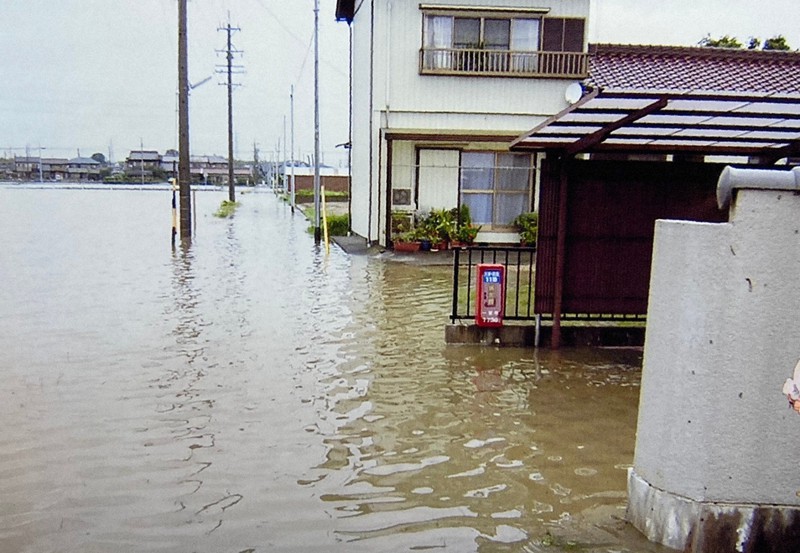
[(184, 174), (291, 153), (141, 159), (317, 203), (256, 163), (41, 177), (230, 69)]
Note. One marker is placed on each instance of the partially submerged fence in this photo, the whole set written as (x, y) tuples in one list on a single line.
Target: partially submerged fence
[(519, 266)]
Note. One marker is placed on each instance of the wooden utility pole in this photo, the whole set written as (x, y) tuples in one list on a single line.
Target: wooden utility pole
[(229, 70), (184, 174)]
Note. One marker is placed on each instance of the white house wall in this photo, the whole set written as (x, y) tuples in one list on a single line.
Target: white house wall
[(410, 92), (364, 144), (390, 95)]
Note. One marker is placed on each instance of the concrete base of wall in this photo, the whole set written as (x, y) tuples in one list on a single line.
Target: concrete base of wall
[(700, 527), (515, 335), (507, 336)]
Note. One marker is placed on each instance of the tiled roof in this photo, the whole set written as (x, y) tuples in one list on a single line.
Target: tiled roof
[(614, 66)]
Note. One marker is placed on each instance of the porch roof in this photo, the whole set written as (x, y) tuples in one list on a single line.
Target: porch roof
[(703, 101)]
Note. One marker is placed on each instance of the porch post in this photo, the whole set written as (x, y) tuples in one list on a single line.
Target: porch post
[(561, 244), (388, 213)]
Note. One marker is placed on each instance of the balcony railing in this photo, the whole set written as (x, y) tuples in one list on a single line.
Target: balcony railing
[(505, 63)]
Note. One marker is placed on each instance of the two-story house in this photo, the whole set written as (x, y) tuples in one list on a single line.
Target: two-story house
[(142, 163), (39, 168), (83, 168), (438, 92)]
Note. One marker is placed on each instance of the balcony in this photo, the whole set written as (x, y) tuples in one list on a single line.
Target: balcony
[(503, 63)]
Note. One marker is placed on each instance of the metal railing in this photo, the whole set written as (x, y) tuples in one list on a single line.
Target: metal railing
[(451, 61), (519, 266)]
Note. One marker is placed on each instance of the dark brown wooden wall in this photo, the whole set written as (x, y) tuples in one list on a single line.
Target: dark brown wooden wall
[(612, 207)]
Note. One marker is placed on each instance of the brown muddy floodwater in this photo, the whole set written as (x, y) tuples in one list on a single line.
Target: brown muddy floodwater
[(250, 394)]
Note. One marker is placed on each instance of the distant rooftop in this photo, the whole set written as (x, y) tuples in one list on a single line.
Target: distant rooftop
[(614, 66), (83, 161)]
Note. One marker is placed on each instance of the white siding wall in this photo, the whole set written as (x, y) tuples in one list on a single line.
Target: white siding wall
[(362, 140), (438, 179), (410, 92), (389, 94)]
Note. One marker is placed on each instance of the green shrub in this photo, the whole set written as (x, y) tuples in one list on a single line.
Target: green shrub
[(528, 226), (226, 209), (338, 225)]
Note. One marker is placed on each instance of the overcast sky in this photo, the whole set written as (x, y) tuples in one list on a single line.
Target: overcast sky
[(100, 75)]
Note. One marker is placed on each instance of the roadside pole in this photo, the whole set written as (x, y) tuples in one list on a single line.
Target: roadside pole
[(184, 175)]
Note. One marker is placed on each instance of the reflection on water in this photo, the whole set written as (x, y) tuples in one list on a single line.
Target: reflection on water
[(249, 393)]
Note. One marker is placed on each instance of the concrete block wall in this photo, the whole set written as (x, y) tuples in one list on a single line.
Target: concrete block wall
[(716, 439)]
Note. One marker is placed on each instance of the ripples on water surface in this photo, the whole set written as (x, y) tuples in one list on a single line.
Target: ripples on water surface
[(249, 393)]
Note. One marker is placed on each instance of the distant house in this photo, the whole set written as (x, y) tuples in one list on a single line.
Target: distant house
[(36, 168), (214, 170), (439, 91), (6, 168), (142, 163), (83, 168), (169, 162)]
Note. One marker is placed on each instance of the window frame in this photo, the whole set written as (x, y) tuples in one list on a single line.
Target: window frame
[(551, 46), (497, 191), (481, 42)]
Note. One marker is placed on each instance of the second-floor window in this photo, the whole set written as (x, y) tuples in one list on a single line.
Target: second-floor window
[(514, 45)]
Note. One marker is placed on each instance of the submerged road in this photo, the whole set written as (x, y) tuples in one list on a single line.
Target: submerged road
[(249, 393)]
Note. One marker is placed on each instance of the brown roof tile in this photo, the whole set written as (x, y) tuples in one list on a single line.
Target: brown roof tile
[(614, 66)]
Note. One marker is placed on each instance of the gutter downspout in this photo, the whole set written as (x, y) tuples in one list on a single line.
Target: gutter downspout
[(384, 128), (349, 137), (371, 117)]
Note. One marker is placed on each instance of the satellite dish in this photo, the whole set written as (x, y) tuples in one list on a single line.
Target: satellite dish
[(573, 93)]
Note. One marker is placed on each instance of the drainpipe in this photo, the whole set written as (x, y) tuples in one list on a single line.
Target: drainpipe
[(386, 104), (350, 134), (388, 66), (371, 116)]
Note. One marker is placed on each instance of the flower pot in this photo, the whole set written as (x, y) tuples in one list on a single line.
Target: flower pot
[(406, 246)]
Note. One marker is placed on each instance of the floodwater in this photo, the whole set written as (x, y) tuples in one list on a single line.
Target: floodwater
[(249, 393)]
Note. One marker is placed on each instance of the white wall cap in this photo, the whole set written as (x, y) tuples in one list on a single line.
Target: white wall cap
[(759, 179)]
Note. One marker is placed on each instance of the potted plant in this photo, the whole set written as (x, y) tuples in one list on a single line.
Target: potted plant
[(527, 224), (404, 237), (406, 242), (437, 227), (466, 234)]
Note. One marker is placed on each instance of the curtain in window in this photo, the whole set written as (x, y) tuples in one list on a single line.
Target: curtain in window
[(496, 36), (438, 40), (513, 183), (477, 185), (525, 43), (496, 187)]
